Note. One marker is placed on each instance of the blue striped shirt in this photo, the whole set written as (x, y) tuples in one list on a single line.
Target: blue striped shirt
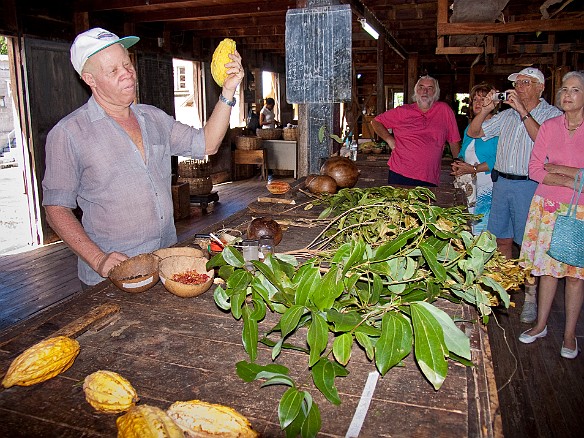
[(515, 145)]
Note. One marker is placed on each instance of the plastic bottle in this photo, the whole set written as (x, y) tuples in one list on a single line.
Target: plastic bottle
[(353, 150)]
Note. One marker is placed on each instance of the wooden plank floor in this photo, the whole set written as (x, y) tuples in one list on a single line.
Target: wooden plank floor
[(540, 393)]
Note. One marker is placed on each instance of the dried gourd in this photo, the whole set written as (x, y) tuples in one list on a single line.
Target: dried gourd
[(201, 419), (109, 392), (146, 421), (42, 361), (220, 58)]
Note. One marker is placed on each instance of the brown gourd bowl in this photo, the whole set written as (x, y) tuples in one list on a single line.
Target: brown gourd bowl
[(178, 251), (178, 265), (136, 274)]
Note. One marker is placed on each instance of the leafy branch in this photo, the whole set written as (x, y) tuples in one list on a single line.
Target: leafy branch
[(391, 254)]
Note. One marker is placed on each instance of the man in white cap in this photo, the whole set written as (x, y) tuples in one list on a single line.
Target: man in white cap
[(111, 158), (517, 128)]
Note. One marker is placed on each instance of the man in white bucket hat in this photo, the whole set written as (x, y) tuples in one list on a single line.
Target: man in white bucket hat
[(111, 157), (517, 128)]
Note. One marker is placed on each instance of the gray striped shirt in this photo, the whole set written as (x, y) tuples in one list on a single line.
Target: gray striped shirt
[(515, 145)]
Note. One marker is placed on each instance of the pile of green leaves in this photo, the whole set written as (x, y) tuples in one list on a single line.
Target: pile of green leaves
[(385, 264)]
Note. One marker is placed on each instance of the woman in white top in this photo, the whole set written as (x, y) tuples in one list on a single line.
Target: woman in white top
[(267, 116)]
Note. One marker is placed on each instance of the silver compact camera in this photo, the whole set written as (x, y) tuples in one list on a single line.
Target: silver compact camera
[(502, 96)]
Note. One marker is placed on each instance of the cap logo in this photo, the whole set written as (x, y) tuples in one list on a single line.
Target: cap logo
[(105, 35)]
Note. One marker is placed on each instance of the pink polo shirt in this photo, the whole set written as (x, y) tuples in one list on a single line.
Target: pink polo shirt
[(420, 138)]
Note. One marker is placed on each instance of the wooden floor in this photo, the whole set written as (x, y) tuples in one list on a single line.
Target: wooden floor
[(540, 393)]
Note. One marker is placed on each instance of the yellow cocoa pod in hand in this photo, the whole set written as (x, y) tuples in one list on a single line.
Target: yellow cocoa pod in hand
[(146, 421), (109, 392), (220, 58), (42, 361), (201, 419)]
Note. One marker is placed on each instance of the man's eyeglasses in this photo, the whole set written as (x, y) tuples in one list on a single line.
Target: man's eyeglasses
[(523, 83)]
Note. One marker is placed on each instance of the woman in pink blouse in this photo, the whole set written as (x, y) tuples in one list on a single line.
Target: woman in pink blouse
[(557, 156)]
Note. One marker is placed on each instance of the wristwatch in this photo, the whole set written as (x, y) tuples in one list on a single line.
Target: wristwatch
[(227, 102), (525, 117)]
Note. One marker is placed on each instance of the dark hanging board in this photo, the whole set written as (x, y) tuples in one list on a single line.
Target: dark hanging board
[(318, 54)]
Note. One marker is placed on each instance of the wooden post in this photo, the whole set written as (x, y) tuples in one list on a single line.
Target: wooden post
[(380, 107), (412, 78)]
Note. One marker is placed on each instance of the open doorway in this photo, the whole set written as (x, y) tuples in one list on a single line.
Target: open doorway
[(18, 231)]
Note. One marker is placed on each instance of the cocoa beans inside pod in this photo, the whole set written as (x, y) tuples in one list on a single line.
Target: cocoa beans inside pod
[(262, 227), (322, 184), (343, 170)]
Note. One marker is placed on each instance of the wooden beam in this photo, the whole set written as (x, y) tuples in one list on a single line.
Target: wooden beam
[(243, 10), (559, 25)]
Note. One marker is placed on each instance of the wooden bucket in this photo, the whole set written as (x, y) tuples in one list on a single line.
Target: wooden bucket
[(194, 169)]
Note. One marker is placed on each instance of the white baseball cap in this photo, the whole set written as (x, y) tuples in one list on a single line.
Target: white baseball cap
[(92, 41), (531, 72)]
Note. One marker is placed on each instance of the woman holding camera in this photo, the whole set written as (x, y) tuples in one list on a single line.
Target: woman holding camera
[(479, 159), (557, 156)]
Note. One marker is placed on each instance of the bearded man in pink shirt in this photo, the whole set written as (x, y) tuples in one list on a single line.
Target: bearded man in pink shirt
[(420, 131)]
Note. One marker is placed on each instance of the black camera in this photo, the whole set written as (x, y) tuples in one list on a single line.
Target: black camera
[(502, 96)]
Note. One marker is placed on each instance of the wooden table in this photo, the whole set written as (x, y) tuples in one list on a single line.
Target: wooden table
[(173, 348)]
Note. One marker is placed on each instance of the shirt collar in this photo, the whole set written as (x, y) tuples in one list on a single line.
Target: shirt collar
[(96, 112)]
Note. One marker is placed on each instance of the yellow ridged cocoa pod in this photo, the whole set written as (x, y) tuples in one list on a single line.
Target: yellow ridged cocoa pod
[(146, 421), (201, 419), (109, 392), (42, 361), (220, 58)]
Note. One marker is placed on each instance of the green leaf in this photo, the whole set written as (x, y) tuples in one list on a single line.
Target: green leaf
[(289, 407), (323, 376), (496, 287), (367, 343), (341, 253), (312, 423), (277, 380), (429, 254), (429, 346), (356, 256), (259, 309), (240, 279), (277, 348), (308, 284), (290, 319), (287, 258), (248, 371), (249, 335), (221, 298), (317, 337), (226, 271), (342, 348), (268, 273), (321, 133), (331, 287), (237, 300), (216, 261), (387, 249), (395, 342), (455, 340), (343, 322), (233, 257)]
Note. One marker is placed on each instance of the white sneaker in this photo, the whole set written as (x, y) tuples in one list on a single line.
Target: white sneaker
[(529, 312)]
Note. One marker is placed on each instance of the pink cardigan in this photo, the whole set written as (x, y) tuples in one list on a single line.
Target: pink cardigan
[(554, 145)]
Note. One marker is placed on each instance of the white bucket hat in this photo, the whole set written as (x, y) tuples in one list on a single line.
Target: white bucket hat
[(92, 41), (531, 72)]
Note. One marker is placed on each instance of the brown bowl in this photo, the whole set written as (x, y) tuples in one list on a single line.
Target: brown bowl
[(179, 264), (178, 251), (136, 274)]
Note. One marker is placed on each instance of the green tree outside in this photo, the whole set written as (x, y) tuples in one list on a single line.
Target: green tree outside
[(3, 46)]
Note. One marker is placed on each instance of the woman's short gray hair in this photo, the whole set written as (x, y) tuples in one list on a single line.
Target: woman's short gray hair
[(579, 75), (436, 88)]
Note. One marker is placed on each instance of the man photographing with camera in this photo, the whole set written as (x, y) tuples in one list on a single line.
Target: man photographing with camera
[(517, 128)]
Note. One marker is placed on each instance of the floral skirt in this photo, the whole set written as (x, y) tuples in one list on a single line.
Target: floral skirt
[(538, 235)]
